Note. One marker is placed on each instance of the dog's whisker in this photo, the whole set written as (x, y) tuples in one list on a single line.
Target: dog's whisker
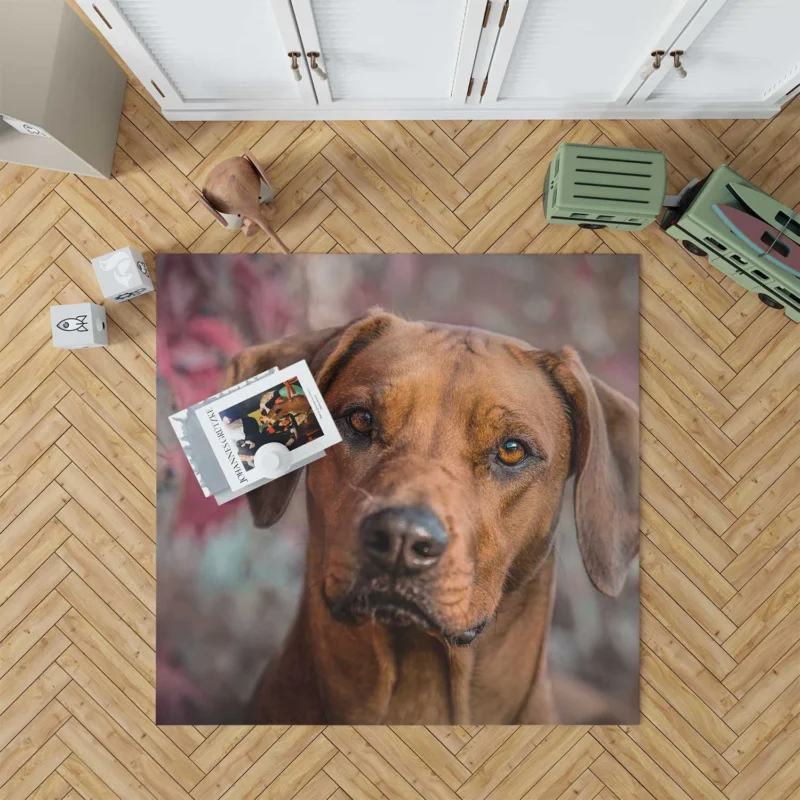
[(314, 585), (361, 490), (451, 605), (450, 589), (462, 573)]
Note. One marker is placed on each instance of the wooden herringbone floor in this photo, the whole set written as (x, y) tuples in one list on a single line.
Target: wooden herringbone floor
[(720, 506)]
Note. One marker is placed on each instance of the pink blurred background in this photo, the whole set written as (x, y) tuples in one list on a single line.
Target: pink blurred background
[(226, 590)]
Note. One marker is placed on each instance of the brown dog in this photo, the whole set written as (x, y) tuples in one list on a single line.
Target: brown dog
[(430, 567)]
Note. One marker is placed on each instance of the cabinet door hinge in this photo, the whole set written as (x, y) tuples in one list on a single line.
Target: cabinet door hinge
[(469, 88), (503, 15), (485, 83), (486, 13)]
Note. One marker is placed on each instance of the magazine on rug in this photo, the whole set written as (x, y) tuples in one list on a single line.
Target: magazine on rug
[(251, 433)]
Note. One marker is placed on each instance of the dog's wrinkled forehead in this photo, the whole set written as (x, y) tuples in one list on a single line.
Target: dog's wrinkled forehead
[(439, 374)]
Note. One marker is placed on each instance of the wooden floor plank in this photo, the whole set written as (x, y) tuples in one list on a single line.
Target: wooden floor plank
[(383, 197), (12, 176), (16, 281), (120, 744), (686, 702), (92, 770), (209, 135), (402, 180), (437, 143), (684, 412), (26, 198), (31, 230), (775, 608), (685, 376), (677, 440), (498, 183), (39, 294), (144, 153), (419, 161), (292, 158), (97, 611), (684, 737), (142, 187), (160, 132), (79, 450), (682, 555), (651, 758), (494, 152), (476, 133), (31, 738), (768, 507), (138, 725), (778, 534)]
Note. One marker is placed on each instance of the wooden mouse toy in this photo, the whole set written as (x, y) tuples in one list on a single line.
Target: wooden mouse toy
[(237, 192)]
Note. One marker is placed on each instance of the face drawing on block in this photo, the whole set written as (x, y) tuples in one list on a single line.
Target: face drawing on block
[(120, 264), (77, 324)]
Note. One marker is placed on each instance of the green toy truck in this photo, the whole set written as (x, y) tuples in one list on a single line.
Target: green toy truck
[(703, 233), (609, 187)]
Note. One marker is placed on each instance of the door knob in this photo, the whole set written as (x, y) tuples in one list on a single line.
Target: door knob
[(295, 66), (651, 68), (317, 70), (676, 59)]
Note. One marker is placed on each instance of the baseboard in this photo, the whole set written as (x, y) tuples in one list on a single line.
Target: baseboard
[(651, 111)]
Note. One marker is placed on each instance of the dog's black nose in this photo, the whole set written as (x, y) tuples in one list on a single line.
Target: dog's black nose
[(406, 539)]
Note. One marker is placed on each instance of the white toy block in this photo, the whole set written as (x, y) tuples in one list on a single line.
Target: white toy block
[(78, 325), (122, 275)]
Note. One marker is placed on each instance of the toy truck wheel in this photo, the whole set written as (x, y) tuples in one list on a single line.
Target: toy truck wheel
[(769, 301), (693, 248), (592, 226)]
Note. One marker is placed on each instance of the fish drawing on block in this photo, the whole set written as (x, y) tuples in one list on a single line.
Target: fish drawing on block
[(77, 324), (763, 238)]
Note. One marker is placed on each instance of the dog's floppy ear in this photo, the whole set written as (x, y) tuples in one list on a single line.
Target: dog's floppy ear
[(605, 460), (267, 503), (327, 352)]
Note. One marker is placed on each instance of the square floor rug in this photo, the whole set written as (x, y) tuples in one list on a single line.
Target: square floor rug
[(467, 553)]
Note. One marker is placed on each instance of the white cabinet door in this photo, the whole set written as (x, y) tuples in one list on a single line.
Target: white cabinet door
[(390, 54), (208, 54), (571, 54), (736, 52)]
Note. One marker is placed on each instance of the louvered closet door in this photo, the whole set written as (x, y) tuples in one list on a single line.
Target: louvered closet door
[(749, 51), (390, 53), (226, 54), (553, 53)]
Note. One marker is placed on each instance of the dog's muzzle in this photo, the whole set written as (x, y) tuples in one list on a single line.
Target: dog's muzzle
[(401, 546)]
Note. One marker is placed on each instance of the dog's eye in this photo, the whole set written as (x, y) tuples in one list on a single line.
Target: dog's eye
[(360, 421), (511, 453)]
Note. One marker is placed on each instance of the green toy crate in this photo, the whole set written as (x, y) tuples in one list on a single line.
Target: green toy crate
[(702, 232), (605, 187)]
